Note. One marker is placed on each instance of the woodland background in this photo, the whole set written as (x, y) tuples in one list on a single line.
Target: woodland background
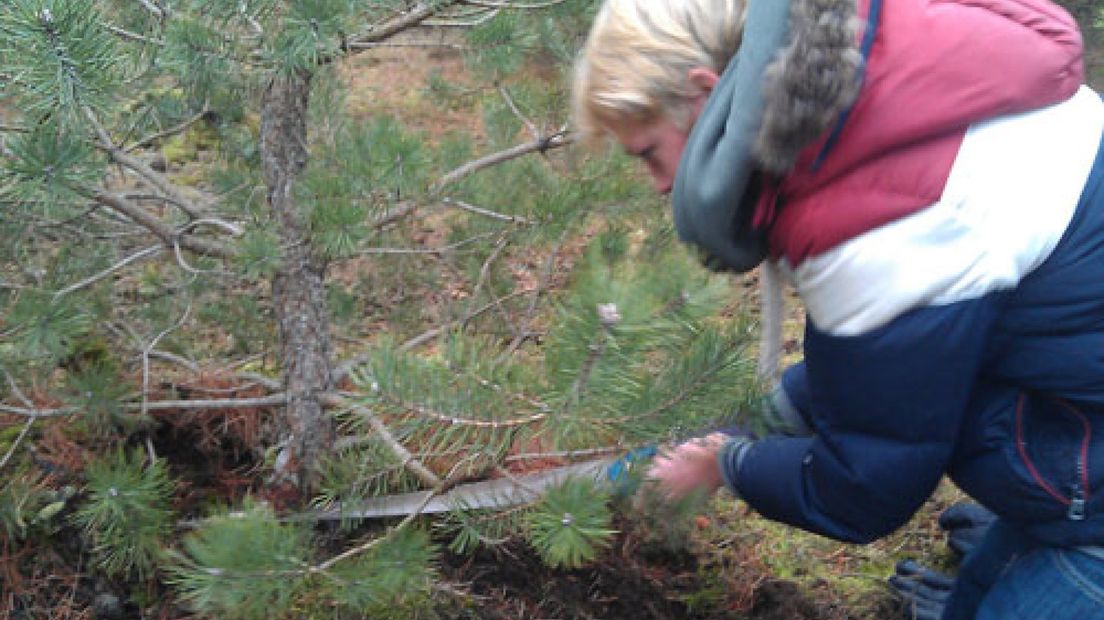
[(265, 258)]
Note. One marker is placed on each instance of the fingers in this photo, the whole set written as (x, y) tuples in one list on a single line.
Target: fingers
[(966, 524), (922, 591), (911, 569), (687, 467)]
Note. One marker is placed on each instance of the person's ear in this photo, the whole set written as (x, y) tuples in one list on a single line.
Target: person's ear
[(703, 79)]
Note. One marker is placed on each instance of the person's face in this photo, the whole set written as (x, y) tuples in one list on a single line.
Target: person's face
[(659, 142)]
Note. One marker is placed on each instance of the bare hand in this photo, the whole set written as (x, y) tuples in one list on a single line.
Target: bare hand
[(689, 466)]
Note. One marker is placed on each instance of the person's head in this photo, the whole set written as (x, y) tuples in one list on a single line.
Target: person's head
[(646, 70)]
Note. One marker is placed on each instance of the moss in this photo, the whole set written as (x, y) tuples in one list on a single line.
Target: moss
[(743, 550), (185, 147)]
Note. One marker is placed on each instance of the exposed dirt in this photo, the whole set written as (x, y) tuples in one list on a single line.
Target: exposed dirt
[(514, 584)]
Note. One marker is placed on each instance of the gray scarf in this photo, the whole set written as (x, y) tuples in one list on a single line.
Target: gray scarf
[(772, 99)]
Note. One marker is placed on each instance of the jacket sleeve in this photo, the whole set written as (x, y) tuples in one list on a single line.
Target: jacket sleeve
[(886, 406)]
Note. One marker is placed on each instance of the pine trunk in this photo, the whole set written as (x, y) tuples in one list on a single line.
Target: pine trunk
[(298, 292)]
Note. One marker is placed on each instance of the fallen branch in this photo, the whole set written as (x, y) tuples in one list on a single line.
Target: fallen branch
[(495, 494)]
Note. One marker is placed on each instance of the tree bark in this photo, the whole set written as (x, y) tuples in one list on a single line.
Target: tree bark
[(306, 431)]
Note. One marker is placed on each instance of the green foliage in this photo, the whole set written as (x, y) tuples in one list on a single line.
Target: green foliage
[(46, 327), (450, 408), (469, 528), (369, 470), (393, 580), (312, 30), (499, 44), (98, 394), (242, 566), (126, 514), (637, 351), (344, 304), (25, 503), (237, 315), (337, 228), (61, 57), (202, 60), (258, 252), (571, 524), (49, 170)]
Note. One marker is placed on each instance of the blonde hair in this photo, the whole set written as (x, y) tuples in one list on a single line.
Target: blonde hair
[(637, 58)]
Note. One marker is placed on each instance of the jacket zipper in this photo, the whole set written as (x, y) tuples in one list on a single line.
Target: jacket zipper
[(1079, 491)]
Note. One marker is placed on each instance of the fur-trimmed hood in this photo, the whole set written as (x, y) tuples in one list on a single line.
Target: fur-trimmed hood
[(811, 82), (783, 88)]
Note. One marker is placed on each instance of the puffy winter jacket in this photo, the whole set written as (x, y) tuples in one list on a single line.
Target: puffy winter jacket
[(947, 238)]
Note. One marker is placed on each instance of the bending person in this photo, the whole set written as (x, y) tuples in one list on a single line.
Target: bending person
[(938, 203)]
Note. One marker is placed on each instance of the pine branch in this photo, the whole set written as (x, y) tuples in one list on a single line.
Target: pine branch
[(134, 37), (439, 250), (608, 317), (460, 204), (530, 313), (521, 117), (26, 426), (485, 15), (146, 357), (407, 459), (488, 4), (18, 440), (153, 9), (344, 368), (410, 19), (121, 157), (452, 420), (89, 281), (163, 231), (393, 215), (171, 131), (541, 145), (322, 567), (159, 405)]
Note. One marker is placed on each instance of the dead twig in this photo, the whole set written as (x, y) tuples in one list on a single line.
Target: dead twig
[(158, 405), (460, 204), (145, 357), (343, 369), (89, 281), (172, 131), (408, 460), (541, 145), (151, 176), (26, 425)]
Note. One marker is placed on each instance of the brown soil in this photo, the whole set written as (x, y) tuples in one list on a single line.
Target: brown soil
[(513, 584)]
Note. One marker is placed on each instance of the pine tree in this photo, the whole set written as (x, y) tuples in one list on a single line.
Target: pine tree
[(562, 318)]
